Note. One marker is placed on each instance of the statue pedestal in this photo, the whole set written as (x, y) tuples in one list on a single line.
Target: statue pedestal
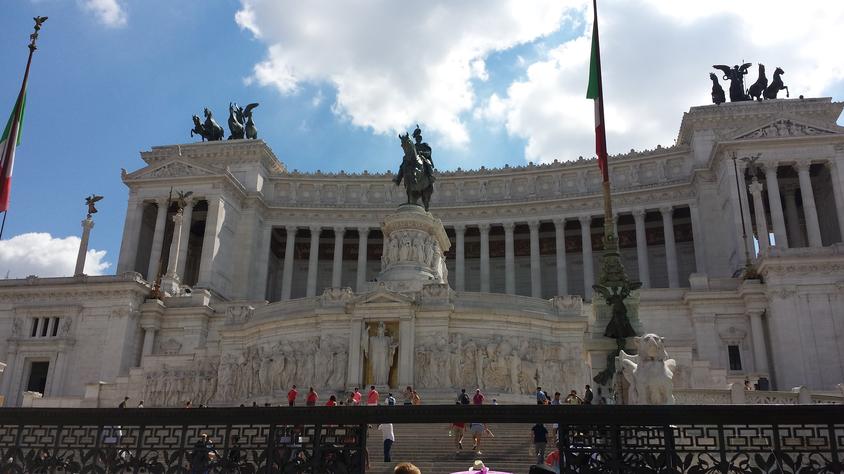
[(414, 246), (170, 285)]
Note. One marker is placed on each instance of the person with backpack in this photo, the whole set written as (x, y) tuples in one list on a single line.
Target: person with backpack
[(463, 398)]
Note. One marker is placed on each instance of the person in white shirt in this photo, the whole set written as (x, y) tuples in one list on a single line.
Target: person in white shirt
[(389, 438)]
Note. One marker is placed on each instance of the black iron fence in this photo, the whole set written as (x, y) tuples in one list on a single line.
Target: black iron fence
[(616, 439)]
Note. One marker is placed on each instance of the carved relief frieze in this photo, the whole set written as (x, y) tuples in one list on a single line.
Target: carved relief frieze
[(239, 314), (784, 128)]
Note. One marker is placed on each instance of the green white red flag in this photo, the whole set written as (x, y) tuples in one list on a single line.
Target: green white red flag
[(10, 140), (595, 91)]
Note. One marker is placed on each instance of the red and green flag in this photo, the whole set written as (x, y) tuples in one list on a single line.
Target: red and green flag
[(595, 91), (10, 140)]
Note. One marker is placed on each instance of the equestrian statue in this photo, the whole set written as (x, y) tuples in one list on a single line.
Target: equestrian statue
[(759, 86), (736, 77), (759, 90), (776, 85), (241, 124), (718, 96), (210, 130), (417, 169)]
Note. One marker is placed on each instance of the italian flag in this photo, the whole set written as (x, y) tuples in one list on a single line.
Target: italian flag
[(10, 140), (595, 91)]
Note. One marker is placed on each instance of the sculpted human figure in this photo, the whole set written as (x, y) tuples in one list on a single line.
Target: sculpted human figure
[(380, 349)]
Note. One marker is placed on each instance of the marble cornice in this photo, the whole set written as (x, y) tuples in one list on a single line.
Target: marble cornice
[(740, 114), (226, 152), (531, 168), (495, 212), (74, 289)]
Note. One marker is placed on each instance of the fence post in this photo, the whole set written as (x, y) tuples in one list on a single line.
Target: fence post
[(361, 454), (617, 452), (316, 459), (722, 450), (670, 450)]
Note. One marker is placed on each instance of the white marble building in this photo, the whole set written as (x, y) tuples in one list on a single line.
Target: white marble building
[(280, 267)]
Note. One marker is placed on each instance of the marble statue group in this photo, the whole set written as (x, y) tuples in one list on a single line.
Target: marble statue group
[(759, 90), (241, 124)]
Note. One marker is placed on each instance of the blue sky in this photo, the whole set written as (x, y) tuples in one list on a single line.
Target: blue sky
[(114, 77)]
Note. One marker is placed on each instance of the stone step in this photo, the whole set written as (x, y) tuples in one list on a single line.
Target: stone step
[(429, 447)]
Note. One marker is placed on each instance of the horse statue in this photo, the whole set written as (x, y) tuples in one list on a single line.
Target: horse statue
[(417, 182), (241, 124), (235, 121), (718, 96), (759, 86), (776, 85), (249, 127), (736, 77), (210, 130)]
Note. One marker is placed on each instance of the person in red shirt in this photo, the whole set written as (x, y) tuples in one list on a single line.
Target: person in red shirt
[(332, 401), (312, 398), (478, 399), (291, 396), (372, 396), (356, 397)]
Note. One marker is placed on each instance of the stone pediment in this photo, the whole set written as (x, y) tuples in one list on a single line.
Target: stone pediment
[(383, 295), (783, 128), (171, 169)]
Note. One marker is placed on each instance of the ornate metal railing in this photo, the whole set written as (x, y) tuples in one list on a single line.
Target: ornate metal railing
[(593, 439)]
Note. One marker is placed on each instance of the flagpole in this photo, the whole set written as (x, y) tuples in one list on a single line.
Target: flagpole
[(609, 231), (11, 142), (613, 286)]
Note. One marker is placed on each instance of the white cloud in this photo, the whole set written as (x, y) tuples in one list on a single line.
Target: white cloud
[(108, 12), (656, 58), (46, 256), (394, 63)]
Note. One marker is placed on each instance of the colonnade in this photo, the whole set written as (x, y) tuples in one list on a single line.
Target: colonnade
[(786, 224), (484, 229)]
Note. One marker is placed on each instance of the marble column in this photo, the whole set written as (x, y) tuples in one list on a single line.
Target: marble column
[(211, 241), (560, 251), (406, 352), (287, 270), (484, 228), (175, 245), (745, 205), (535, 270), (670, 246), (363, 237), (131, 234), (509, 259), (354, 374), (313, 260), (760, 350), (460, 260), (810, 212), (774, 204), (642, 248), (838, 193), (588, 265), (337, 268), (170, 283), (157, 240), (183, 249), (759, 211), (262, 280), (699, 239), (149, 340), (792, 218), (87, 225)]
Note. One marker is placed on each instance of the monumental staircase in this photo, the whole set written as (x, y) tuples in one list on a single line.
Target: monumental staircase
[(430, 448)]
